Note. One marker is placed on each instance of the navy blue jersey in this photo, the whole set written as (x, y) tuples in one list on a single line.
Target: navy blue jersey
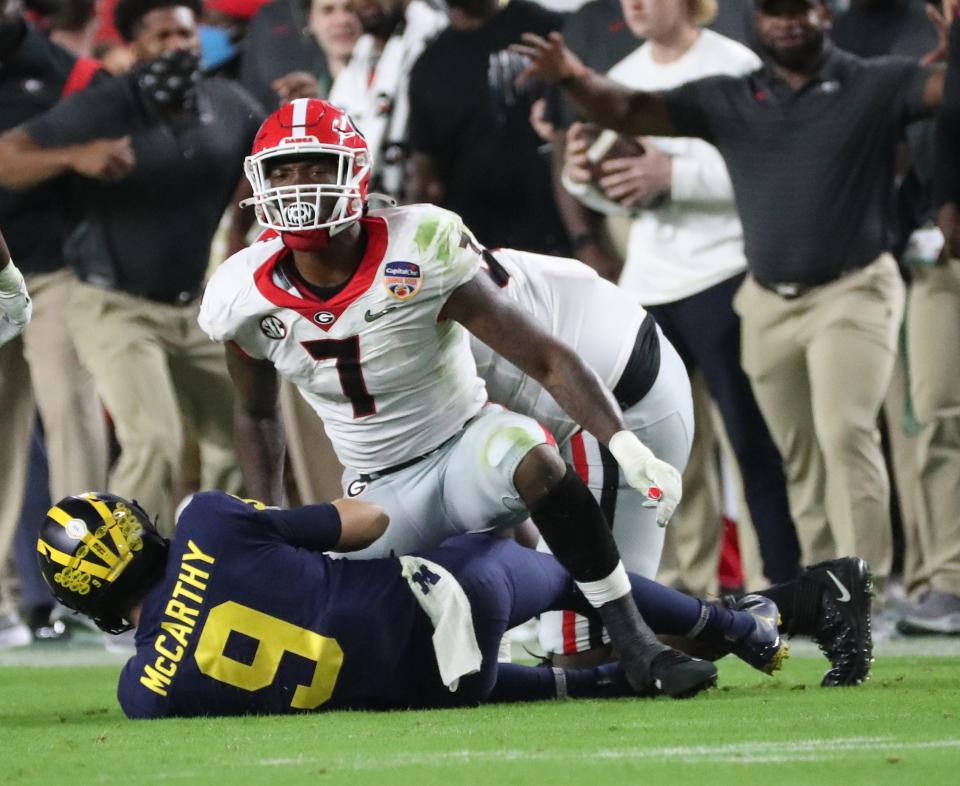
[(251, 618)]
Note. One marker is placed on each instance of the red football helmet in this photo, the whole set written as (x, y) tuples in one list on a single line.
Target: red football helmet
[(308, 127)]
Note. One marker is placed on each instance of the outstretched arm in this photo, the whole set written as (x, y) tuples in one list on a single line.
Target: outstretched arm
[(258, 430), (341, 525), (947, 49), (24, 164), (597, 98)]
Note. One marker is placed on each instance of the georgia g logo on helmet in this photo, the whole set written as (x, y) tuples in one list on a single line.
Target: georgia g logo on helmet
[(303, 129)]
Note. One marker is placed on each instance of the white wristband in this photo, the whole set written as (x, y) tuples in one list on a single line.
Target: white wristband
[(627, 448)]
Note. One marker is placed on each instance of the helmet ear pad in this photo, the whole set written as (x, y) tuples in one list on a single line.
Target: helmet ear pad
[(100, 554)]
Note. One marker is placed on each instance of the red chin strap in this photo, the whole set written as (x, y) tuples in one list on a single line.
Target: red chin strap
[(312, 240)]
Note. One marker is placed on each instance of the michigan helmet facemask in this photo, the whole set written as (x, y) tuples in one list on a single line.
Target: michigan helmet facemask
[(100, 554)]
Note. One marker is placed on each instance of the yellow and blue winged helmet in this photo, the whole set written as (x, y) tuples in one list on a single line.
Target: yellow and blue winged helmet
[(100, 554)]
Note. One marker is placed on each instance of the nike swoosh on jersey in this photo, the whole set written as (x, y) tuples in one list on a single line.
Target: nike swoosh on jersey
[(844, 592), (372, 316)]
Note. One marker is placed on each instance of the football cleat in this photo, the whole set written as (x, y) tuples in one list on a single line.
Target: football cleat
[(680, 676), (843, 627), (764, 649)]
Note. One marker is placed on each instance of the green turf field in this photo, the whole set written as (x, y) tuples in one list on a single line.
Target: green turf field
[(62, 724)]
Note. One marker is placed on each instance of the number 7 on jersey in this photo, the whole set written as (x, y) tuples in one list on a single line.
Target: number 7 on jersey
[(347, 353)]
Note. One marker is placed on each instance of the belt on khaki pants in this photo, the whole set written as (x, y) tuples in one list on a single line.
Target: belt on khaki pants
[(790, 290)]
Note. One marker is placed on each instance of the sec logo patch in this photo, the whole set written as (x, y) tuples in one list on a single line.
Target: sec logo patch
[(402, 279), (273, 327)]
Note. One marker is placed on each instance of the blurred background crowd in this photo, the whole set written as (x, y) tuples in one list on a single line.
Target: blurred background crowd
[(125, 127)]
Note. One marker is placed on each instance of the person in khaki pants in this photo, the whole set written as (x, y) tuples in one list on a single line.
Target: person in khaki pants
[(820, 365), (934, 334), (39, 370), (164, 368), (933, 331)]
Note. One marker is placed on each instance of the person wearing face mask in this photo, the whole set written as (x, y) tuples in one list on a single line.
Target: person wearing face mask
[(142, 245), (809, 141), (221, 31)]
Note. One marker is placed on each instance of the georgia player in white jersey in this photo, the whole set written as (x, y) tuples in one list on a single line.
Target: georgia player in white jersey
[(623, 345), (365, 310)]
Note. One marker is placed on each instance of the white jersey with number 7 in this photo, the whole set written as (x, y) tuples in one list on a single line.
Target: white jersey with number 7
[(389, 379)]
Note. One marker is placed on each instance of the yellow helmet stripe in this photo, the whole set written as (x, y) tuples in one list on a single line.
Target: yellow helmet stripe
[(117, 569), (93, 543), (62, 558), (101, 508), (123, 548)]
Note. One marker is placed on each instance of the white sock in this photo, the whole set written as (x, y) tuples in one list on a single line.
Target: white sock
[(614, 586)]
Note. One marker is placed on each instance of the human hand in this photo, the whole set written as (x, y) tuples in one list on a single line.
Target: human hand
[(941, 23), (550, 60), (637, 180), (297, 84), (103, 159), (658, 481)]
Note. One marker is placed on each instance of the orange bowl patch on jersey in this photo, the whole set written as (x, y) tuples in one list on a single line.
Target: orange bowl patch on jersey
[(402, 279)]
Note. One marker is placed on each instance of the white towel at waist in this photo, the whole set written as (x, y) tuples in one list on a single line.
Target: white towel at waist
[(446, 604)]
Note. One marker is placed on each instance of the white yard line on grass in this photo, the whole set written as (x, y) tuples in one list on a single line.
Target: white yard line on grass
[(750, 752)]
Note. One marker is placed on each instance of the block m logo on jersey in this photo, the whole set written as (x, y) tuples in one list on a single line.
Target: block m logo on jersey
[(425, 578)]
